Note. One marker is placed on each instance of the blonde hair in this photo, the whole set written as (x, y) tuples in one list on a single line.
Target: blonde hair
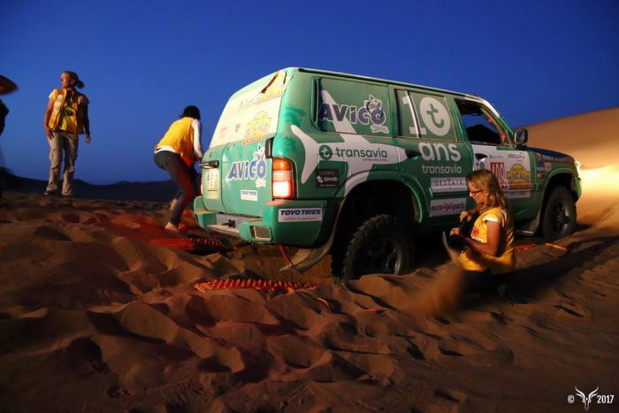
[(486, 181)]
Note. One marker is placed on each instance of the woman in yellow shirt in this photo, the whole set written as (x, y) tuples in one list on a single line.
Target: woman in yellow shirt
[(488, 257)]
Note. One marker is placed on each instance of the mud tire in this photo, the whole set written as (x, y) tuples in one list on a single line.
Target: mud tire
[(380, 245), (559, 215)]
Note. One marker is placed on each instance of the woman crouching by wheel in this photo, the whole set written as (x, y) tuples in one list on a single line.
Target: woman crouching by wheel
[(488, 257)]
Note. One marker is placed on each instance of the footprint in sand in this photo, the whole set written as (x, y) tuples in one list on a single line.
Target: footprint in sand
[(70, 218), (117, 392), (90, 352), (451, 395), (414, 350), (296, 352), (569, 311), (332, 368), (51, 234)]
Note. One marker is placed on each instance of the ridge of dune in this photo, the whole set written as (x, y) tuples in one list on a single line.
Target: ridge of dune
[(590, 137), (593, 140)]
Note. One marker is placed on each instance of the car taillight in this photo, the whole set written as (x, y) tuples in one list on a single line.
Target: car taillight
[(283, 178)]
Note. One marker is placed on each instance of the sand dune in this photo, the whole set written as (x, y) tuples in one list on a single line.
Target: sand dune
[(96, 317), (592, 138)]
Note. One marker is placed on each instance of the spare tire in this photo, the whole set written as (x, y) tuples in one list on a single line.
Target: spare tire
[(559, 216)]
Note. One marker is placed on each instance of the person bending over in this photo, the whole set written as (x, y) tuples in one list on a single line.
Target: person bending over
[(175, 153)]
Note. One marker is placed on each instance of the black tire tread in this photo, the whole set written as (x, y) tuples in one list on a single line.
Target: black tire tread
[(373, 225), (558, 194)]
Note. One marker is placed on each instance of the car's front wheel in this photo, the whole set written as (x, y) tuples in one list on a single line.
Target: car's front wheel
[(559, 217), (380, 245)]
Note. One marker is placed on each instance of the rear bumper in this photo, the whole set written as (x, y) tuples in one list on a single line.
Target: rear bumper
[(290, 222)]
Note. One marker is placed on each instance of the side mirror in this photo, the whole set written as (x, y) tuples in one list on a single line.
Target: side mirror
[(521, 136)]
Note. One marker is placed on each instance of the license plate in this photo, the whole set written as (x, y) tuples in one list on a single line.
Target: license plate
[(212, 179)]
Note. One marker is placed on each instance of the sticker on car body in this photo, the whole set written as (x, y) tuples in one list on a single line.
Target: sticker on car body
[(299, 215), (443, 207), (249, 195)]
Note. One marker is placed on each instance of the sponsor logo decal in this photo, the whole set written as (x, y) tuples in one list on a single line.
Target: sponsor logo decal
[(560, 159), (518, 178), (249, 195), (359, 163), (518, 194), (441, 185), (249, 102), (440, 152), (498, 169), (326, 152), (299, 215), (441, 169), (254, 170), (443, 207), (370, 114), (257, 128), (435, 116), (518, 173), (327, 178)]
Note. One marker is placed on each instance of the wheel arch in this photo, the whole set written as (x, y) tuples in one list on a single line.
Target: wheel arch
[(561, 178), (373, 197), (382, 196)]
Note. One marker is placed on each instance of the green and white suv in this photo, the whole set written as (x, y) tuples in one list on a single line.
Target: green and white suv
[(356, 167)]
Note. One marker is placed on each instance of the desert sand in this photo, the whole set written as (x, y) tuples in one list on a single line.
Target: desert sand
[(98, 315)]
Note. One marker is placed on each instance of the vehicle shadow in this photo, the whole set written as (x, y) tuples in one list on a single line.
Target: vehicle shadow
[(530, 281), (536, 278)]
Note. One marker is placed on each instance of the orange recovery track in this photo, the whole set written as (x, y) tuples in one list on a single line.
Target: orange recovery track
[(192, 244), (262, 285)]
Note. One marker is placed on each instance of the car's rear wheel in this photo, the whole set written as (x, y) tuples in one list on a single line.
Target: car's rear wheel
[(380, 245), (559, 217)]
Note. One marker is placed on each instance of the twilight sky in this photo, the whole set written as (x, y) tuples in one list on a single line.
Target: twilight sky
[(143, 61)]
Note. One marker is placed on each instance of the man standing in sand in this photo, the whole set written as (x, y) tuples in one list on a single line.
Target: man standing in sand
[(66, 117)]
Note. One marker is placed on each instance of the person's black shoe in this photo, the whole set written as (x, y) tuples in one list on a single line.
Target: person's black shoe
[(50, 193)]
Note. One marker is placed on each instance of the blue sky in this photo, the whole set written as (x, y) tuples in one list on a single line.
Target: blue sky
[(143, 61)]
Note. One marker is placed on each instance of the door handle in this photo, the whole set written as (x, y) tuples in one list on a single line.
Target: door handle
[(411, 153), (209, 164), (480, 156)]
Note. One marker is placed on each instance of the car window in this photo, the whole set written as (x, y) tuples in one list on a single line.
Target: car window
[(426, 116), (252, 116), (352, 107), (480, 125)]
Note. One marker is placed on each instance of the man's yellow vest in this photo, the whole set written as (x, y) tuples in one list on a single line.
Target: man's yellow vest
[(67, 114), (180, 138)]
